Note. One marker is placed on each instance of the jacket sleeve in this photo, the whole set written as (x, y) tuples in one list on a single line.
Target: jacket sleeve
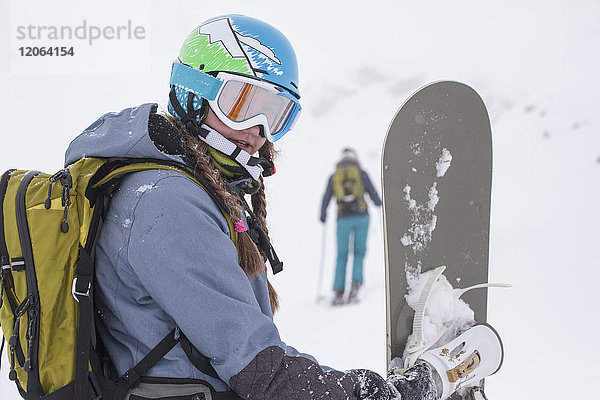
[(369, 188), (180, 249), (326, 199)]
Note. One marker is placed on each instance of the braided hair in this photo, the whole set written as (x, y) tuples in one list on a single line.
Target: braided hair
[(251, 258)]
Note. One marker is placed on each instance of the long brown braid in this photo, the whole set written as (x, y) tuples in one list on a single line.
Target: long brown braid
[(259, 207), (251, 258)]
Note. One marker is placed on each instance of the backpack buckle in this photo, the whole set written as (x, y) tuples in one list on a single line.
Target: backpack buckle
[(76, 293)]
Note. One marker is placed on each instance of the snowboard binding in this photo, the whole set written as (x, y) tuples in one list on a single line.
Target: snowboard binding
[(417, 344), (466, 360)]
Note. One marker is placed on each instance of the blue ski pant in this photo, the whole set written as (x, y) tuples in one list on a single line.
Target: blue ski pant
[(348, 227)]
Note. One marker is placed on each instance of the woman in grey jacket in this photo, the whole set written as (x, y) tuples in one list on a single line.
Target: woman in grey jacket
[(166, 258)]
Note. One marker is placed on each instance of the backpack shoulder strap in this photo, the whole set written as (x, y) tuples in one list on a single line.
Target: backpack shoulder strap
[(109, 174), (4, 261), (106, 179)]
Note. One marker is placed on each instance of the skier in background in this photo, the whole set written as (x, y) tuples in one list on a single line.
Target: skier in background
[(348, 184), (166, 257)]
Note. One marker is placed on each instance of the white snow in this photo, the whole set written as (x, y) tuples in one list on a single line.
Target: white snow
[(144, 188), (423, 221), (416, 149), (412, 205), (443, 163), (433, 197), (444, 311), (534, 62), (406, 240)]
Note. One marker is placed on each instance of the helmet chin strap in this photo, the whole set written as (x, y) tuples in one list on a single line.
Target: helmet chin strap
[(255, 166)]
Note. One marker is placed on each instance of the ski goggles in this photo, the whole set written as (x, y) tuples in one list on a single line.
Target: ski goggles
[(242, 102)]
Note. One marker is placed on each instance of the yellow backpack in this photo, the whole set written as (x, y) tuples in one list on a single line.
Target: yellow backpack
[(348, 188), (49, 225)]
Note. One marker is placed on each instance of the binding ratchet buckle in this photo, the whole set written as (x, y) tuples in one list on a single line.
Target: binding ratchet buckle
[(463, 369)]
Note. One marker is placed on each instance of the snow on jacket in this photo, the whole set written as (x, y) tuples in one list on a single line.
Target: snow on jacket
[(165, 259)]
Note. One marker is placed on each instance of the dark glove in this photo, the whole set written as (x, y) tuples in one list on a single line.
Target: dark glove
[(414, 383), (322, 218), (373, 386)]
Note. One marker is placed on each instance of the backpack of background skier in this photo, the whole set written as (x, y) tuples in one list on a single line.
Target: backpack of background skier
[(348, 188), (49, 226)]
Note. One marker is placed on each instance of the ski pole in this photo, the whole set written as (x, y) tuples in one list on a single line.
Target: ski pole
[(322, 263)]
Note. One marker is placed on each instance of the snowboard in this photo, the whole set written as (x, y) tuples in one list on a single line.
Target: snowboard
[(436, 179)]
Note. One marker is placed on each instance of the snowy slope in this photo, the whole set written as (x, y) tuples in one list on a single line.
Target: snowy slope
[(534, 62)]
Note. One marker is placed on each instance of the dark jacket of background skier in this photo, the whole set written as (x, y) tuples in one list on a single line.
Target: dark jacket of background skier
[(367, 188)]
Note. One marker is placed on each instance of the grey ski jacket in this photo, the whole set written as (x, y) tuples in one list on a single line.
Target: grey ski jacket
[(165, 260)]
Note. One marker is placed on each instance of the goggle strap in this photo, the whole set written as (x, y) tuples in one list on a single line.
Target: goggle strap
[(187, 118), (192, 80), (193, 113), (177, 106)]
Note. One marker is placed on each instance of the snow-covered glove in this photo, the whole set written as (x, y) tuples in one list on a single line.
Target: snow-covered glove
[(373, 386), (413, 383)]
